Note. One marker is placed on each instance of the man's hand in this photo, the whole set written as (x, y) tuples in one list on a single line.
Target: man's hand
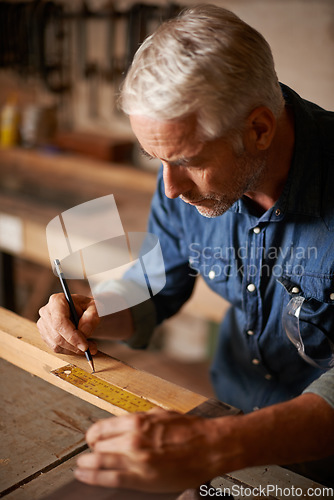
[(57, 329), (155, 451), (163, 451)]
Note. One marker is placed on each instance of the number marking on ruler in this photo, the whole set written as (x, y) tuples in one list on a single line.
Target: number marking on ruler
[(103, 390)]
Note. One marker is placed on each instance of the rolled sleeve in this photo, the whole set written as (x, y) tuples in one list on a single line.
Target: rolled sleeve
[(144, 320), (143, 314), (324, 387)]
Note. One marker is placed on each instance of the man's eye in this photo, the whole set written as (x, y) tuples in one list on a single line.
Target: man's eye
[(146, 154)]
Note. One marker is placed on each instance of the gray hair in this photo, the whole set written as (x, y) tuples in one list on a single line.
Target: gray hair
[(207, 62)]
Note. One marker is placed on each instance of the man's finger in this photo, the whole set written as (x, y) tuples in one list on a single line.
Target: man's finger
[(92, 347), (89, 319), (53, 339), (107, 461), (66, 329), (110, 428), (107, 478), (62, 323), (126, 442)]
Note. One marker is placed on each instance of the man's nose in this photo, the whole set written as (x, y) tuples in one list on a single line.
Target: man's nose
[(176, 180)]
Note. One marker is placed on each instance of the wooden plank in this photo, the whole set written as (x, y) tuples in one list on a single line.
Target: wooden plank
[(281, 484), (58, 484), (80, 491), (22, 345), (41, 425), (278, 480), (32, 440), (46, 483)]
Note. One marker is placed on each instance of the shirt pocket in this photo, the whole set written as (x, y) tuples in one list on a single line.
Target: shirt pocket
[(316, 316), (219, 269)]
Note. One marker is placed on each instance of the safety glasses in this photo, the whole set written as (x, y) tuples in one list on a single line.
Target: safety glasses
[(291, 325)]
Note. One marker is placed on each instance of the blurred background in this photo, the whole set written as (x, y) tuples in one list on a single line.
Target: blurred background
[(63, 141)]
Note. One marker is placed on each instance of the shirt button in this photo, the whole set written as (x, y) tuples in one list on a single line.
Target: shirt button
[(331, 296), (250, 332), (251, 287), (212, 275), (255, 361), (277, 212), (255, 408), (256, 230), (268, 376), (295, 289)]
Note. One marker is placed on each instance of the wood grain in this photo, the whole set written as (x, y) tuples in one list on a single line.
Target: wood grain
[(45, 484), (37, 441), (40, 425), (22, 345)]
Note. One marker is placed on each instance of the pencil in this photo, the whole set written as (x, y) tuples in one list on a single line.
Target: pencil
[(74, 316)]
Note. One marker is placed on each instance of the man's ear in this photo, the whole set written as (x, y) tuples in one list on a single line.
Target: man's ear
[(260, 129)]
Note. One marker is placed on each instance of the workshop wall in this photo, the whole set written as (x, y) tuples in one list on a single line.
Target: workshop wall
[(301, 36), (98, 41), (300, 33)]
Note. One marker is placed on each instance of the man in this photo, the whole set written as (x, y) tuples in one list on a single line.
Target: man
[(245, 199)]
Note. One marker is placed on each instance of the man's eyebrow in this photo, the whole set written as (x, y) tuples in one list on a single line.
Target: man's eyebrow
[(178, 162)]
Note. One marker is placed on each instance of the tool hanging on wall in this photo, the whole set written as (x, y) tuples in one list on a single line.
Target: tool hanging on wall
[(35, 40), (143, 19), (87, 68), (53, 47)]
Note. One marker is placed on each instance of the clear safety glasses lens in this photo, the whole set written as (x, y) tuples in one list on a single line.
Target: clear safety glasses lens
[(292, 329)]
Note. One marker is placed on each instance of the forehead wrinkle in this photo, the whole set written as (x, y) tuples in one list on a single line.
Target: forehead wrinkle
[(182, 160), (171, 142), (173, 149)]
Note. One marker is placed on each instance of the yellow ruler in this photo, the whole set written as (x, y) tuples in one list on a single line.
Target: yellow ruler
[(103, 390)]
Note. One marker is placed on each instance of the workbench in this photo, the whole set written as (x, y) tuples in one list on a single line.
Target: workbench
[(43, 423)]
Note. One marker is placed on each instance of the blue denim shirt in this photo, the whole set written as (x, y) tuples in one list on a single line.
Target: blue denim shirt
[(258, 261)]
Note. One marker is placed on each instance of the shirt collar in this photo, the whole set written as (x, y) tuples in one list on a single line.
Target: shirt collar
[(302, 192)]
